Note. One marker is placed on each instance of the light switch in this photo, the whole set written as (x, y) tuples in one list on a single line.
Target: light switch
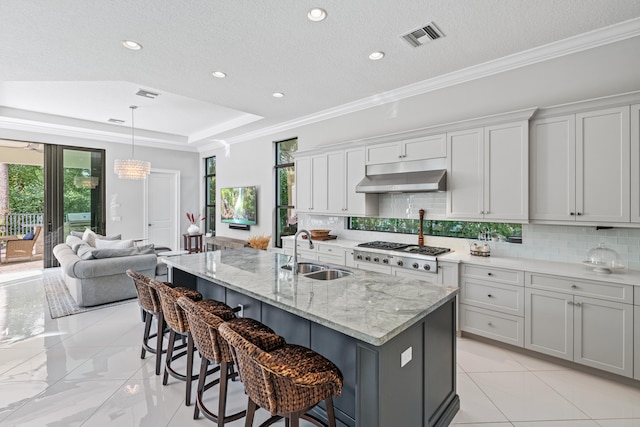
[(406, 356)]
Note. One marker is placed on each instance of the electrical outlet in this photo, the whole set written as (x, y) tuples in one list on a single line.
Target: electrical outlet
[(406, 356)]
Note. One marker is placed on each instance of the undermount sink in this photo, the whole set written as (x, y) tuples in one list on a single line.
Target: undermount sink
[(318, 271), (306, 267), (328, 274)]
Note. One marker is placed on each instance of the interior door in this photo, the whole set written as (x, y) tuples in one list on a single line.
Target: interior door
[(162, 209), (74, 194)]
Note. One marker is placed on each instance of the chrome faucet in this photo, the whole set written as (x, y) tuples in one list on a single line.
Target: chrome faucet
[(295, 248)]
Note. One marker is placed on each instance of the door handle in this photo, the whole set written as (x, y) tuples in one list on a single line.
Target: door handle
[(149, 225), (49, 227)]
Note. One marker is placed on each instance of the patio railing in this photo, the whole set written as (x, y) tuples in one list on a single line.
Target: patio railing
[(18, 224)]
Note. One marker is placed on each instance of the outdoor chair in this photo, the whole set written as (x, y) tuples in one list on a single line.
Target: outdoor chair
[(21, 249)]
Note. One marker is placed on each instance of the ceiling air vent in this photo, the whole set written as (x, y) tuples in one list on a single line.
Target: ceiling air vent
[(423, 35), (116, 121), (147, 93)]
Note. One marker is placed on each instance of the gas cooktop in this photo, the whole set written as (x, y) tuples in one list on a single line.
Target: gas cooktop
[(405, 248)]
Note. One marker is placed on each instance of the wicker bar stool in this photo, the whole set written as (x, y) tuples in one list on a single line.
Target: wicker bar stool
[(149, 302), (204, 323), (179, 327), (287, 382)]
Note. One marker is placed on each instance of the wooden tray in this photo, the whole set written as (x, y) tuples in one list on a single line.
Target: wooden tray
[(327, 237)]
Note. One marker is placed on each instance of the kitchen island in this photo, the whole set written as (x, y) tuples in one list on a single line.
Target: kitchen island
[(393, 338)]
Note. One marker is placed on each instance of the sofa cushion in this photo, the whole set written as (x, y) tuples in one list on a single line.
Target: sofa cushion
[(29, 236), (90, 237), (112, 244), (73, 240), (77, 234), (121, 252), (84, 251)]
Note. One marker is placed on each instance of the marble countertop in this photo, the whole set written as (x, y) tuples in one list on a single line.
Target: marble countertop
[(371, 307)]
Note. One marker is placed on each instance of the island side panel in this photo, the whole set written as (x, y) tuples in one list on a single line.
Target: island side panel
[(441, 402), (294, 329)]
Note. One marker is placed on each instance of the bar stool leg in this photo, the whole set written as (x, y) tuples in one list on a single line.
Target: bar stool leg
[(331, 416), (145, 336), (159, 338), (222, 399), (172, 341), (202, 377), (190, 351), (251, 411)]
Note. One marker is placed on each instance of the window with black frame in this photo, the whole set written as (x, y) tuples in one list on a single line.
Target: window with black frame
[(210, 194), (286, 221)]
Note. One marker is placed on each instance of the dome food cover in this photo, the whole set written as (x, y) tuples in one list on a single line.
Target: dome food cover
[(603, 259)]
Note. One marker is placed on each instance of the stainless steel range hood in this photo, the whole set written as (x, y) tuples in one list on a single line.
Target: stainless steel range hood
[(405, 177)]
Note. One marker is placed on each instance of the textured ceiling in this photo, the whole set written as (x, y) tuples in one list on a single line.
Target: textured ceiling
[(63, 65)]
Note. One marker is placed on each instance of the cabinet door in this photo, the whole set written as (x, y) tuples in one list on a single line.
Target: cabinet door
[(602, 165), (553, 168), (635, 163), (303, 184), (603, 334), (357, 204), (429, 147), (465, 174), (549, 323), (319, 175), (636, 340), (448, 274), (506, 172), (384, 153), (336, 182), (425, 277)]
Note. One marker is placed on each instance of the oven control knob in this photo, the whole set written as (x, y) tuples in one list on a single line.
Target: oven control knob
[(415, 265), (385, 261), (427, 267), (367, 258), (376, 259), (400, 263), (358, 256)]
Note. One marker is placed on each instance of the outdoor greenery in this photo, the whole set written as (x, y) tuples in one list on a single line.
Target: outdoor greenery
[(468, 230), (26, 194), (286, 224)]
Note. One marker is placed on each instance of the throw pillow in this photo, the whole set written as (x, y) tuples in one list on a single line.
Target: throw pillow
[(112, 244), (85, 252), (29, 236), (116, 237), (90, 237), (77, 234), (72, 240)]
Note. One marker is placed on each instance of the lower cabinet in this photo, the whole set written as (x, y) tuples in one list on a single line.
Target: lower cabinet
[(498, 326), (589, 331), (636, 352)]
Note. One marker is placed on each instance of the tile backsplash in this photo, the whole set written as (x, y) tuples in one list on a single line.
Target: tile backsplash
[(545, 242)]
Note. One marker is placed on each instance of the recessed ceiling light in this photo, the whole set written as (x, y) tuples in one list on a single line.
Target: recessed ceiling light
[(219, 74), (374, 56), (130, 44), (317, 14), (278, 95)]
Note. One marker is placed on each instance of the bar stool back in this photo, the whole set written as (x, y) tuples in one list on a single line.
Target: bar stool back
[(179, 327), (149, 302), (287, 382)]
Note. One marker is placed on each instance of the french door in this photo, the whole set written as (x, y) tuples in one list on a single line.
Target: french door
[(74, 196)]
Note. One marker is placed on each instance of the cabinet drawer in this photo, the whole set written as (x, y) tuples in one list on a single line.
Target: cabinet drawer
[(310, 255), (490, 324), (330, 249), (493, 296), (331, 258), (602, 290), (513, 277)]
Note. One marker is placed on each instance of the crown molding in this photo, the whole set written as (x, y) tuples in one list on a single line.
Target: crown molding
[(592, 39)]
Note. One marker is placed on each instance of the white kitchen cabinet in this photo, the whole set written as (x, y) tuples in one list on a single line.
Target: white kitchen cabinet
[(591, 331), (336, 182), (580, 169), (635, 163), (303, 184), (330, 253), (448, 273), (378, 268), (488, 173), (492, 303), (636, 340), (428, 147), (424, 276), (346, 169)]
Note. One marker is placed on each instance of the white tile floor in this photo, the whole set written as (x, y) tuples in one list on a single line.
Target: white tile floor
[(85, 370)]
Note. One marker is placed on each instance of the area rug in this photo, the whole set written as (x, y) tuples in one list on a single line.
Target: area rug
[(60, 301)]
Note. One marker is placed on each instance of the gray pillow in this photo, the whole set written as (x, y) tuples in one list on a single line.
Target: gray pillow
[(85, 252), (115, 253), (73, 240), (76, 234)]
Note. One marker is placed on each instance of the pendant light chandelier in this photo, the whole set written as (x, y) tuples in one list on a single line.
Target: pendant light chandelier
[(132, 168)]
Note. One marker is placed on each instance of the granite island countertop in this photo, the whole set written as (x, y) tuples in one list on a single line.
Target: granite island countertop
[(371, 307)]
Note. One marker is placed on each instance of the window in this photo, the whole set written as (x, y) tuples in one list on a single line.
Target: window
[(286, 222), (210, 194), (467, 230)]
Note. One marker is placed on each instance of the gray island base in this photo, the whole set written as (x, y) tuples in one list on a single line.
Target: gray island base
[(393, 338)]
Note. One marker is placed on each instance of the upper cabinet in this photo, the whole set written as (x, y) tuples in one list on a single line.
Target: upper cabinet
[(428, 147), (325, 184), (488, 173), (580, 168), (635, 165)]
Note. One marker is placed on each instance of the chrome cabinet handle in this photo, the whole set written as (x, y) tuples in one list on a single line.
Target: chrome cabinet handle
[(571, 213), (490, 296)]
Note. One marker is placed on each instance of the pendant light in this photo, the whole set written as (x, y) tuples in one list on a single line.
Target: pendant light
[(132, 168)]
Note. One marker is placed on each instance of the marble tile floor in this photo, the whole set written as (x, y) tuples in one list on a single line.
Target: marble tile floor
[(85, 370)]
